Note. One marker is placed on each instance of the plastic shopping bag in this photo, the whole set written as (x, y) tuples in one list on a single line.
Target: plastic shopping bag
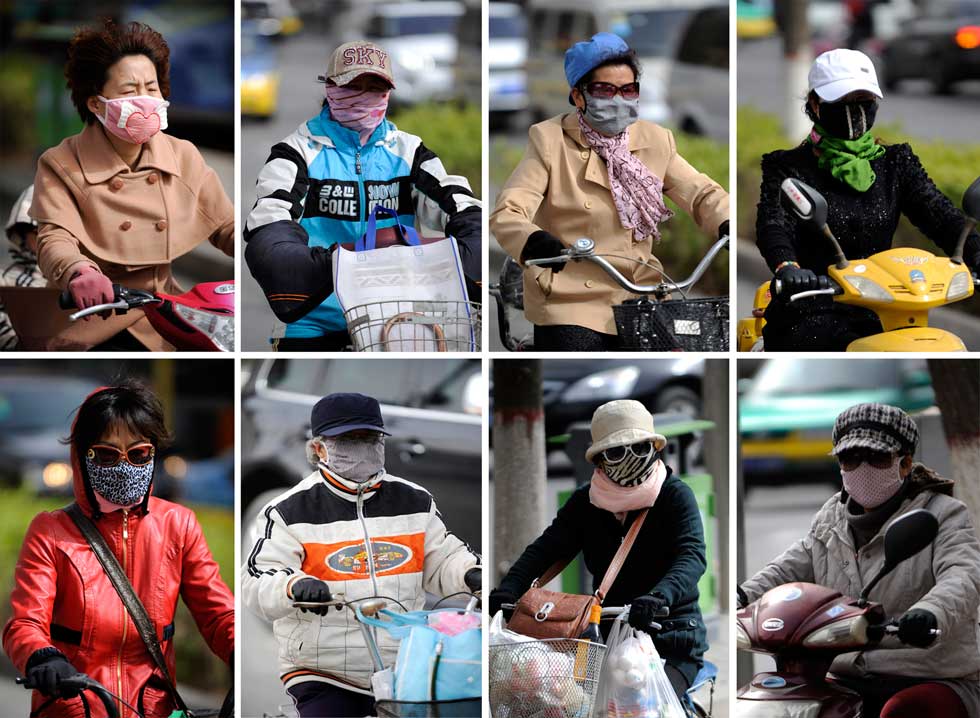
[(635, 682)]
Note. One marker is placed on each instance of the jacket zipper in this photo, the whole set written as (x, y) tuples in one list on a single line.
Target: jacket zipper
[(369, 551), (122, 646), (362, 193)]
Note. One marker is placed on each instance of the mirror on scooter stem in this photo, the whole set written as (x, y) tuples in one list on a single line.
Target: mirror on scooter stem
[(971, 207), (810, 206), (908, 534)]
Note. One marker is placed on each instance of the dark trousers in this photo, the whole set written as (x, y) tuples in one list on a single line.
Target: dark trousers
[(572, 338), (817, 324), (121, 342), (314, 699), (678, 681)]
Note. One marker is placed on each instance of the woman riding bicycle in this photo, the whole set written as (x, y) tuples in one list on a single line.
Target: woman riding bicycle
[(121, 200), (600, 173), (935, 589), (67, 617), (668, 558), (868, 186), (321, 184)]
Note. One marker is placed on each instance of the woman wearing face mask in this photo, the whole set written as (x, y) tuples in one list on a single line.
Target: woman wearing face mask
[(938, 588), (668, 557), (309, 543), (67, 617), (321, 184), (121, 200), (868, 186), (597, 172)]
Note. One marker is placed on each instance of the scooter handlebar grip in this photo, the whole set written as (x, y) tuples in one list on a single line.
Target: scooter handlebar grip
[(66, 301)]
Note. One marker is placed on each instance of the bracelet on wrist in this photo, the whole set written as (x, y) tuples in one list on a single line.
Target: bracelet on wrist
[(788, 263)]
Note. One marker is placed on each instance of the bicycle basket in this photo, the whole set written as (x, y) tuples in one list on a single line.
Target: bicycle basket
[(415, 326), (693, 325), (556, 678), (466, 708)]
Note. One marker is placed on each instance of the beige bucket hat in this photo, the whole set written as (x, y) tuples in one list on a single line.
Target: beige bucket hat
[(621, 423)]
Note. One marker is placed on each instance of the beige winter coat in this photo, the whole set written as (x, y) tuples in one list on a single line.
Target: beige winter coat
[(944, 579), (562, 186)]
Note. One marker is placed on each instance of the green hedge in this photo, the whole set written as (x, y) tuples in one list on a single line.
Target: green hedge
[(196, 665), (683, 243), (952, 166)]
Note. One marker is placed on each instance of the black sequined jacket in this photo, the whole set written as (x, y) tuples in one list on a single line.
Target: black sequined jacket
[(863, 222)]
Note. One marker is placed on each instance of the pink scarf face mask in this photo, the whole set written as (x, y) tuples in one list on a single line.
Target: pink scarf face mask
[(134, 119), (357, 110), (605, 493)]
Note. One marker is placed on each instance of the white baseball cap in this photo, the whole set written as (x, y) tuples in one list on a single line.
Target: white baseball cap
[(840, 72)]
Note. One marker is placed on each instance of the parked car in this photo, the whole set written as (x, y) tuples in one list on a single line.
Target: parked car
[(941, 45), (260, 74), (507, 55), (421, 40), (698, 89), (275, 18), (432, 407), (788, 411)]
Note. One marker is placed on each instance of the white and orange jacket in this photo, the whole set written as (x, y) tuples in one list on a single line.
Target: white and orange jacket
[(321, 528)]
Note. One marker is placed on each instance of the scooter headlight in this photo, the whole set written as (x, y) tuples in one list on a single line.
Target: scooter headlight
[(219, 327), (959, 286), (777, 709), (851, 631), (868, 288)]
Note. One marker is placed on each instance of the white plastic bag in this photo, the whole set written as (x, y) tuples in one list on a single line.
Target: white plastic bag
[(634, 682), (382, 685)]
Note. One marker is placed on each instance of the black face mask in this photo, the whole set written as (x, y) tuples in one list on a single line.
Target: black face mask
[(846, 120)]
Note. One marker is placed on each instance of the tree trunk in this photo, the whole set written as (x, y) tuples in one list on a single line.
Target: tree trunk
[(519, 475), (796, 64), (715, 404)]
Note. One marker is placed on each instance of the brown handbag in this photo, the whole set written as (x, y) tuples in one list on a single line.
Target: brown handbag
[(541, 613)]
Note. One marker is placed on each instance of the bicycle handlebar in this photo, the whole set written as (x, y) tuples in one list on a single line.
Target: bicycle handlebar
[(82, 682), (777, 288)]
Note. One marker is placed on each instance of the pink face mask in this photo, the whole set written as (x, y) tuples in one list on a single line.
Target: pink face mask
[(870, 486), (134, 119), (357, 110)]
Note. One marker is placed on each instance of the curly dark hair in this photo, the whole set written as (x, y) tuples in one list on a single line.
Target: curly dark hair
[(627, 58), (94, 50)]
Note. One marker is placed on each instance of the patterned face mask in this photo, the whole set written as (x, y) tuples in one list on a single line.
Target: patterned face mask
[(871, 486), (632, 470), (357, 460), (122, 484)]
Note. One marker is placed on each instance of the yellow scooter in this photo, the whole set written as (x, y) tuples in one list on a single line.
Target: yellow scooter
[(900, 285)]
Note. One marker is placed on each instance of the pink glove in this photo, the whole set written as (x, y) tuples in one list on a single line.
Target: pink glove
[(89, 287)]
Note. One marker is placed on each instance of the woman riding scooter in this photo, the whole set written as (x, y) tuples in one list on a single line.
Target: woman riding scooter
[(868, 186), (937, 589)]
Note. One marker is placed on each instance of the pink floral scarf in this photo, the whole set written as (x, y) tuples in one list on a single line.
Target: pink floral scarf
[(637, 192)]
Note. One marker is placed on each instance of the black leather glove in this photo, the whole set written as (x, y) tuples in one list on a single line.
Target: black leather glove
[(914, 628), (794, 279), (723, 229), (741, 600), (474, 579), (541, 245), (47, 675), (643, 610), (499, 596), (311, 590)]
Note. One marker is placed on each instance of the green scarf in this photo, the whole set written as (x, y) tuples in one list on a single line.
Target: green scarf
[(847, 160)]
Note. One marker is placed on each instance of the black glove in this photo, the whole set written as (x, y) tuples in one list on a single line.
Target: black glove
[(643, 610), (474, 579), (914, 627), (741, 600), (47, 675), (794, 279), (541, 245), (723, 229), (311, 590), (499, 596), (974, 264)]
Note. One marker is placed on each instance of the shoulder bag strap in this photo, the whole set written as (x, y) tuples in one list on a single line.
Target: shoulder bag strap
[(620, 558), (128, 596)]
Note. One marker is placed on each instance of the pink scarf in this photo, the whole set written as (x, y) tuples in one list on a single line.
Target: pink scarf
[(357, 110), (637, 192), (605, 493)]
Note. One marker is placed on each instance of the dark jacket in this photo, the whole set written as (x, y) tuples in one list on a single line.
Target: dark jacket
[(668, 558)]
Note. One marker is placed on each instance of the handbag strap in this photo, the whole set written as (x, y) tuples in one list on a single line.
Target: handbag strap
[(135, 607), (615, 565), (370, 237)]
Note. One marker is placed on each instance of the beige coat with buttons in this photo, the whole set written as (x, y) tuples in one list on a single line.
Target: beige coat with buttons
[(562, 186), (130, 224)]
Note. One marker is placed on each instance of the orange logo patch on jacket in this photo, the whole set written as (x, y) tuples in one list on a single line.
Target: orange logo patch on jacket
[(348, 560)]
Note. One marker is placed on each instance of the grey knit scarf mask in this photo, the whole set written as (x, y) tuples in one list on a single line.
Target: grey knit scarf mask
[(122, 484), (357, 460)]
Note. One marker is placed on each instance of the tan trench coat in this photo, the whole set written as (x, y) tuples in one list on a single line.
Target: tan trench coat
[(130, 224), (562, 186), (944, 578)]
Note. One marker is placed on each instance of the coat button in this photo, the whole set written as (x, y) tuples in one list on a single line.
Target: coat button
[(590, 283), (588, 204), (161, 225), (116, 184), (125, 226), (585, 155), (152, 179)]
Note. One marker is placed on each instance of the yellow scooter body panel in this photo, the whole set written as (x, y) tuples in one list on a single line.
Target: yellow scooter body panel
[(914, 339), (749, 330)]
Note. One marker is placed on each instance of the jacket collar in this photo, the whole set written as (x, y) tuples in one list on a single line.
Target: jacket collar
[(100, 162), (349, 490)]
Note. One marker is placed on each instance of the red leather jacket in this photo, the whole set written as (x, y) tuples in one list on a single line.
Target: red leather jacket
[(62, 598)]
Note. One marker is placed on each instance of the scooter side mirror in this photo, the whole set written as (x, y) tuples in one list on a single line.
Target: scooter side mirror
[(905, 537), (810, 206), (971, 200)]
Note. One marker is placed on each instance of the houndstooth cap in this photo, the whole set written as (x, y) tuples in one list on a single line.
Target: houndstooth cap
[(879, 427)]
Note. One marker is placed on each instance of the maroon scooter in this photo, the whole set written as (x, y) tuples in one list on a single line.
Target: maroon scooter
[(805, 627)]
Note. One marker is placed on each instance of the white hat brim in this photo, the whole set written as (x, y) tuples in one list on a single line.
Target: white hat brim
[(833, 91)]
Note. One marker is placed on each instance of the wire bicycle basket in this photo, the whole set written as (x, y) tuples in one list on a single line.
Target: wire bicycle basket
[(552, 678), (415, 326), (693, 325)]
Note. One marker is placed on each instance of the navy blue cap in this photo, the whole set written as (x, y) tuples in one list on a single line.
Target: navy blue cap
[(582, 57), (337, 414)]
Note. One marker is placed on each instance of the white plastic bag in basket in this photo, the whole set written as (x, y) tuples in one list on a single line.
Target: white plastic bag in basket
[(636, 685)]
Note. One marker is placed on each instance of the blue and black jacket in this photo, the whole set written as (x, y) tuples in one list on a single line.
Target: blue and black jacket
[(317, 190)]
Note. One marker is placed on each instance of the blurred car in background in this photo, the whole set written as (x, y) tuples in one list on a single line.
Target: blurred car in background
[(421, 40), (941, 45), (432, 407), (788, 409), (468, 68), (273, 18), (698, 89), (260, 74), (754, 18), (507, 52)]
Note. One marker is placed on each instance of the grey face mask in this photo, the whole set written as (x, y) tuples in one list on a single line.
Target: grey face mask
[(357, 460), (610, 116)]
